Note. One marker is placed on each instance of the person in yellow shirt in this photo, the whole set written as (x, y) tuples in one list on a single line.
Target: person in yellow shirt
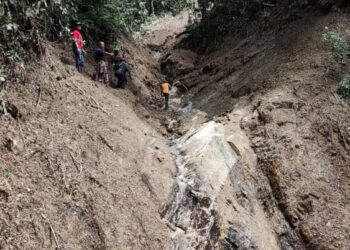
[(165, 91)]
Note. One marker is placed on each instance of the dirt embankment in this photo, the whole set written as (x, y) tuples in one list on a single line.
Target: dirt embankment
[(80, 165), (83, 166), (298, 127)]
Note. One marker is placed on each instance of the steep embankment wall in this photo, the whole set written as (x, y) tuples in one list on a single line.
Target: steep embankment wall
[(80, 167), (297, 192)]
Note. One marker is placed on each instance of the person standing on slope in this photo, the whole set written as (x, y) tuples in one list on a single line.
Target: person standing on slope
[(101, 72), (78, 47), (165, 92)]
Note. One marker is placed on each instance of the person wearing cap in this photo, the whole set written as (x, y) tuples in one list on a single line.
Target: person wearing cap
[(78, 47)]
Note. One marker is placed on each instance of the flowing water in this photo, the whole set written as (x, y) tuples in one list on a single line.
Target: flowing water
[(204, 160)]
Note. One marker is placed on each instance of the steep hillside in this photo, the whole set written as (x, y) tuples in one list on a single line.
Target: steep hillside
[(282, 86), (253, 152), (79, 169)]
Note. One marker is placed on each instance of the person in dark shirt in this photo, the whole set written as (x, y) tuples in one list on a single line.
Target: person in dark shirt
[(120, 68), (101, 71)]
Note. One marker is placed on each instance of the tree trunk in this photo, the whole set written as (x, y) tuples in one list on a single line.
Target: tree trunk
[(152, 7)]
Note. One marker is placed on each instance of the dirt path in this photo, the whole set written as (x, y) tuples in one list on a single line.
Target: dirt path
[(161, 34)]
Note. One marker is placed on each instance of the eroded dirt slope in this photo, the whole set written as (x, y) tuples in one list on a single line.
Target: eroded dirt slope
[(297, 193), (80, 167)]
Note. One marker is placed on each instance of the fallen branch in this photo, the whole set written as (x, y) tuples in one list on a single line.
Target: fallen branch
[(80, 89), (178, 83), (106, 142), (269, 4), (39, 98), (95, 104), (52, 231), (98, 105), (78, 166)]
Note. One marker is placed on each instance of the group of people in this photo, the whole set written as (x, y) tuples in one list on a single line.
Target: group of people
[(120, 66)]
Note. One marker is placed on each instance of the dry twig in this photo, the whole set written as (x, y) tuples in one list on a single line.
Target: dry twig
[(106, 142), (52, 231), (95, 104), (39, 98), (78, 166), (269, 4)]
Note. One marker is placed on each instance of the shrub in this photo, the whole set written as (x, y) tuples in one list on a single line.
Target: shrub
[(344, 87), (337, 41), (24, 24), (104, 19)]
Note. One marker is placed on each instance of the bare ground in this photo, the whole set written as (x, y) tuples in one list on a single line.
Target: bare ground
[(84, 166), (298, 127), (79, 168)]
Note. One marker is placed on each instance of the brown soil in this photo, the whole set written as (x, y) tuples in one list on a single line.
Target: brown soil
[(85, 166), (298, 126), (162, 34), (81, 168)]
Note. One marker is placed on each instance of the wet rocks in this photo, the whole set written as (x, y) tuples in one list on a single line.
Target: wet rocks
[(237, 239), (204, 160)]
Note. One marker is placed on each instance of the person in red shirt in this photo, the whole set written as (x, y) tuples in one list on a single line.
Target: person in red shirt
[(78, 47)]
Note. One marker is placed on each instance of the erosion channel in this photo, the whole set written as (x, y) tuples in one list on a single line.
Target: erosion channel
[(247, 171), (252, 154)]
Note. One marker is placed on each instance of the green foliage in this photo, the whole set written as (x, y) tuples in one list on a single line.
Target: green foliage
[(104, 19), (7, 173), (3, 75), (23, 24), (344, 87), (173, 6), (340, 47)]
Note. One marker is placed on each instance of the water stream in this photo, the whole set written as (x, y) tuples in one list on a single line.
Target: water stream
[(203, 159)]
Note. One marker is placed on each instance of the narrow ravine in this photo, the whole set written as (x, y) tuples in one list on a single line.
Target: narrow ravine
[(250, 176), (205, 156), (252, 154)]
